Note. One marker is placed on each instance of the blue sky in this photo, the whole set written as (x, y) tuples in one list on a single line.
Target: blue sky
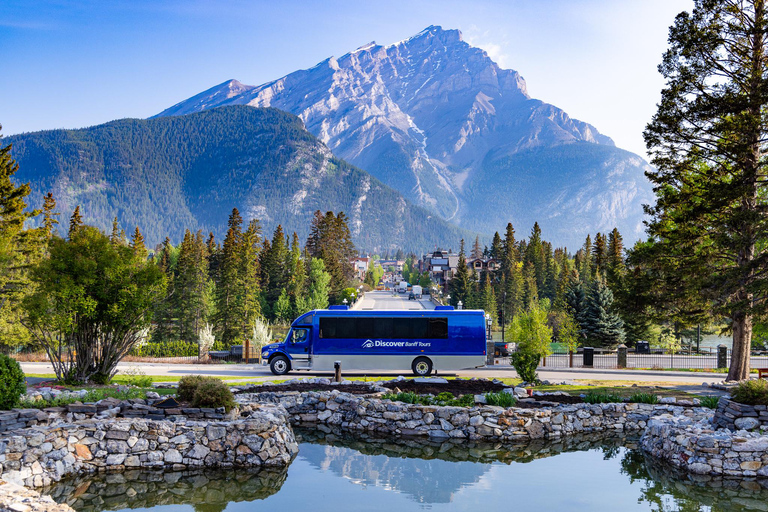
[(75, 63)]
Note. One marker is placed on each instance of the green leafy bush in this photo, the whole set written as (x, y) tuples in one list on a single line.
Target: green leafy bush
[(525, 364), (188, 386), (602, 397), (751, 392), (501, 399), (213, 393), (644, 398), (12, 384)]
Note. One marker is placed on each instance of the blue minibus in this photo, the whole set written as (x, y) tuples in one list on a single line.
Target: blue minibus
[(423, 340)]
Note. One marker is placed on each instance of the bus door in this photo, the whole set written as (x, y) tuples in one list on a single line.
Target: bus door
[(298, 346)]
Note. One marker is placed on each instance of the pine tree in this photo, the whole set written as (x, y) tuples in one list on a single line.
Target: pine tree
[(137, 244), (600, 255), (49, 215), (319, 284), (477, 251), (249, 278), (461, 283), (297, 278), (274, 269), (488, 301), (615, 267), (283, 309), (586, 267), (331, 241), (75, 221), (229, 314), (707, 144), (603, 326), (511, 286)]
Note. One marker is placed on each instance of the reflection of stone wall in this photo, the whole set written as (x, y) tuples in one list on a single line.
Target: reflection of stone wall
[(208, 490), (368, 414), (37, 456)]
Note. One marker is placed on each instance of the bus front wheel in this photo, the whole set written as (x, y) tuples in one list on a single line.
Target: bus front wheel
[(280, 365), (421, 366)]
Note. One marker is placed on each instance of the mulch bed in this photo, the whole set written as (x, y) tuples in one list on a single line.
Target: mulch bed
[(539, 402), (456, 387), (355, 389)]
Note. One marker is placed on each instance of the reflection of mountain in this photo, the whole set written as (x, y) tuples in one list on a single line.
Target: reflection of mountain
[(207, 491), (427, 471)]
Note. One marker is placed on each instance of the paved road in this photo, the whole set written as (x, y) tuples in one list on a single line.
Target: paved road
[(256, 372), (390, 300)]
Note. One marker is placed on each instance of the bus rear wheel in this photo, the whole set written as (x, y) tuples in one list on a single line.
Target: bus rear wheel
[(421, 366), (280, 365)]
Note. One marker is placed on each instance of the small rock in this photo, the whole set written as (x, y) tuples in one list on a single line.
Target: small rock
[(746, 423)]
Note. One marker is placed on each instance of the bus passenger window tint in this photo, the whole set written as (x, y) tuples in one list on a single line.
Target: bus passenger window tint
[(419, 328), (365, 328), (438, 328), (383, 328), (346, 328), (402, 328), (327, 327)]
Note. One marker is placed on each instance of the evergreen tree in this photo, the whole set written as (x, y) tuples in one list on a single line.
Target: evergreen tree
[(615, 267), (75, 221), (586, 268), (461, 283), (488, 301), (49, 215), (137, 244), (511, 286), (229, 314), (602, 325), (249, 295), (283, 309), (477, 251), (297, 277), (600, 255), (534, 254), (575, 299), (319, 284), (274, 269), (707, 143), (331, 241)]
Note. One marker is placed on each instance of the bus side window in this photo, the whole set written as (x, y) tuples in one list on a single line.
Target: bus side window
[(327, 327), (365, 328), (383, 328), (438, 328), (346, 328), (401, 328), (419, 328)]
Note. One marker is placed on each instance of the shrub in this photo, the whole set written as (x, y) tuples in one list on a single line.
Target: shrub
[(710, 402), (213, 393), (644, 398), (188, 385), (751, 392), (501, 399), (441, 399), (525, 364), (12, 384), (136, 377), (602, 397), (166, 349)]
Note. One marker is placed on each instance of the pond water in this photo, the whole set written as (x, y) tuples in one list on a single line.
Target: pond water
[(338, 473)]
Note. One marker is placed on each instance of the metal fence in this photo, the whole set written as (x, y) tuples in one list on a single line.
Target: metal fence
[(656, 360)]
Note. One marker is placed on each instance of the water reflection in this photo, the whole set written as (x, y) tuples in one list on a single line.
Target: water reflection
[(206, 491), (337, 471)]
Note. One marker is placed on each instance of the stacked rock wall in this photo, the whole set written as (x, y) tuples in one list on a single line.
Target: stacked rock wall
[(698, 449), (39, 455), (361, 413), (735, 416)]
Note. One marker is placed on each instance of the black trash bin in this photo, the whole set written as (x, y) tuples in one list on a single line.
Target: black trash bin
[(589, 357), (643, 347)]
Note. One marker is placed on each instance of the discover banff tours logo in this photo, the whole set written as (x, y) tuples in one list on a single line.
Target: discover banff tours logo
[(396, 344)]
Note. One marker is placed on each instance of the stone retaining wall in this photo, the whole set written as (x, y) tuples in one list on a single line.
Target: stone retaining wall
[(107, 408), (697, 448), (365, 413), (735, 416), (39, 455), (15, 498)]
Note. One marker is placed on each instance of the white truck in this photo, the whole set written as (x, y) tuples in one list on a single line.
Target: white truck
[(402, 287), (416, 291)]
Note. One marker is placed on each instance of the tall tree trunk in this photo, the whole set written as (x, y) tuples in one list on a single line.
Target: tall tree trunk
[(742, 346)]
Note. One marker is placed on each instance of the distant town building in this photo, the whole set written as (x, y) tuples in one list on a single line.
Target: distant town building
[(361, 266), (484, 264), (441, 266), (396, 264)]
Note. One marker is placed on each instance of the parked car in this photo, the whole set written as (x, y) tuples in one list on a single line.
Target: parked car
[(411, 296), (502, 349)]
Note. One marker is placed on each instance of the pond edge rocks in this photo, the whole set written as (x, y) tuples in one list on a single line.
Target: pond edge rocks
[(39, 455)]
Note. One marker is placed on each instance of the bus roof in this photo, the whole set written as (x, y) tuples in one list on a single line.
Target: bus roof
[(307, 318)]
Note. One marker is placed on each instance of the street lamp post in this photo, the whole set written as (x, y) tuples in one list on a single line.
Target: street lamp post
[(460, 304)]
